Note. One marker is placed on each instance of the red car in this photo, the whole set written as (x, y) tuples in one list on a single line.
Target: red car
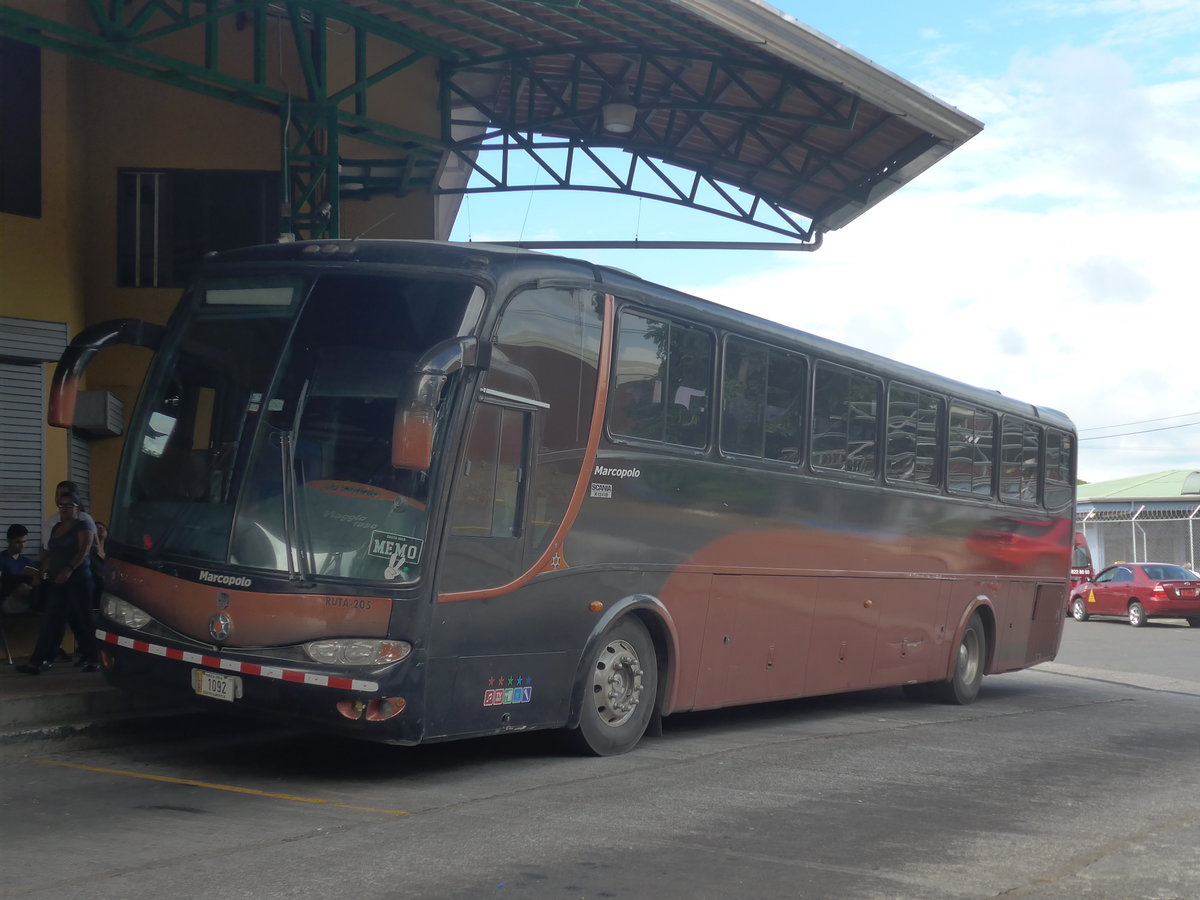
[(1140, 591)]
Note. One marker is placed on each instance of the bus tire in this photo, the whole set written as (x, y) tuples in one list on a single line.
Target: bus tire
[(963, 686), (1137, 614), (1079, 610), (618, 691)]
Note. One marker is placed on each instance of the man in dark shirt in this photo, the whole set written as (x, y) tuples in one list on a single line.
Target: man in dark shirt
[(18, 574)]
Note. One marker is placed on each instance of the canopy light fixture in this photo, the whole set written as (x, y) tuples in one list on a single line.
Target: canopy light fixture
[(618, 114)]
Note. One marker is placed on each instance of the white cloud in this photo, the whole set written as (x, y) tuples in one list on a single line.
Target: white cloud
[(1108, 280), (1051, 258)]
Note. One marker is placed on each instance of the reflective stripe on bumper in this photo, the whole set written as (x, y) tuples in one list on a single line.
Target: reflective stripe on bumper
[(295, 676)]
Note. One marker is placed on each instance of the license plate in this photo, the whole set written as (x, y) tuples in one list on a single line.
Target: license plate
[(216, 685)]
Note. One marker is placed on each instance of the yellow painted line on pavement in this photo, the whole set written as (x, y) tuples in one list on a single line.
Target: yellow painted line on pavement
[(233, 789)]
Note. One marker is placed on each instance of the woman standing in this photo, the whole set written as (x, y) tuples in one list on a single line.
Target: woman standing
[(68, 585)]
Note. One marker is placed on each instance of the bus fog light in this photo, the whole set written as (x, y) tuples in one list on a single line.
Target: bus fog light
[(384, 708), (351, 709), (124, 613), (357, 651), (378, 710)]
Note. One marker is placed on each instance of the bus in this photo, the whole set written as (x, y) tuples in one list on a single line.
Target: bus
[(421, 491), (1081, 564)]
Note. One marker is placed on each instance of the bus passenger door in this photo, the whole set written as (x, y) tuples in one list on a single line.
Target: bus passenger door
[(486, 542)]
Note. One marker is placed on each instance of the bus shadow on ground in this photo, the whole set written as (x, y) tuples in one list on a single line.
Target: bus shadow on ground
[(231, 749), (251, 749)]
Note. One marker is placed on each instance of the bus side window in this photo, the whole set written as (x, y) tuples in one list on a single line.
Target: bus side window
[(845, 419), (1020, 452), (743, 397), (762, 401), (636, 408), (972, 449), (914, 423), (662, 379), (1060, 455)]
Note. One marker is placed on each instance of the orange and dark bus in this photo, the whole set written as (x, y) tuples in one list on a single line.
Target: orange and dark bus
[(420, 491)]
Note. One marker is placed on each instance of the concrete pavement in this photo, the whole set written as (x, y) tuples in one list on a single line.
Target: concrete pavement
[(64, 702)]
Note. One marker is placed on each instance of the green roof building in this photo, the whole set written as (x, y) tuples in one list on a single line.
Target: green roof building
[(1146, 518)]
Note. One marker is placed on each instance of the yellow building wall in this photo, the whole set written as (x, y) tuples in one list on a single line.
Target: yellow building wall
[(42, 259), (97, 121)]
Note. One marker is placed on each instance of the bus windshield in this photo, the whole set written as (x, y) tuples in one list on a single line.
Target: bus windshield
[(264, 436)]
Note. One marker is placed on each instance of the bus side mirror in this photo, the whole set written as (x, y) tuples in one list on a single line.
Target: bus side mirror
[(412, 437), (412, 427), (64, 389)]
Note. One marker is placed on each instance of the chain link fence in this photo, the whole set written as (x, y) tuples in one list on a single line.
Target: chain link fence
[(1142, 532)]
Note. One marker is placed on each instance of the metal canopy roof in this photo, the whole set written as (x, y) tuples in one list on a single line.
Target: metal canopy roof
[(757, 117)]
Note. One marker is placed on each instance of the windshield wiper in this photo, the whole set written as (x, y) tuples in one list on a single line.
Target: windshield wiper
[(297, 547)]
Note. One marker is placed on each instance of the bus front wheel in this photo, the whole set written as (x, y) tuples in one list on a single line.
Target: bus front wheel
[(618, 691), (963, 687)]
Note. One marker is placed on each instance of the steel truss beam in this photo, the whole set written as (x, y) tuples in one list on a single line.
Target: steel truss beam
[(548, 111), (698, 110), (128, 36)]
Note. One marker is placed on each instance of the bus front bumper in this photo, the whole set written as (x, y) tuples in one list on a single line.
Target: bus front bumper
[(378, 705)]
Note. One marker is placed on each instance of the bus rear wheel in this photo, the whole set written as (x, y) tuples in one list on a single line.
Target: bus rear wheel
[(618, 691), (963, 687)]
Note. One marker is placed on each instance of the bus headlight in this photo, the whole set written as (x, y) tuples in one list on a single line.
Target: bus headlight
[(124, 613), (357, 651)]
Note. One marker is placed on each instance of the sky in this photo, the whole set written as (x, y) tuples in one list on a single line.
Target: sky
[(1052, 257)]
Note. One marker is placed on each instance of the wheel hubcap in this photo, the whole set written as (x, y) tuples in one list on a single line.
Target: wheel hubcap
[(617, 683), (968, 657)]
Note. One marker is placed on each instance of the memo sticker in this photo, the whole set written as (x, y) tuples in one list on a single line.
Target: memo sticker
[(395, 548)]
